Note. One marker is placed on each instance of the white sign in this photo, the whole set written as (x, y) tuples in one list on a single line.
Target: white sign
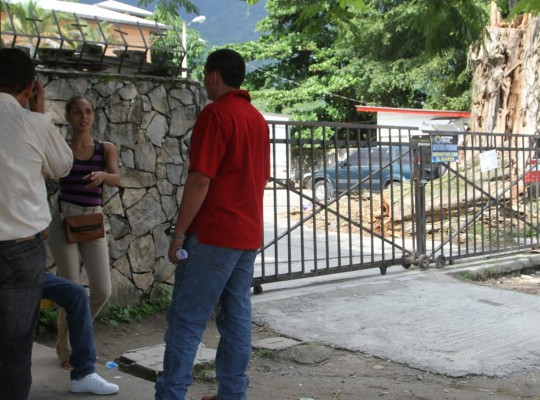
[(488, 160)]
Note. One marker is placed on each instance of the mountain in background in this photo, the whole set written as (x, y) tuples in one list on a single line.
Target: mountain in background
[(227, 21)]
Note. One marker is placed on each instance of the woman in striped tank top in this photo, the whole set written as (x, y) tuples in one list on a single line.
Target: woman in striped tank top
[(95, 165)]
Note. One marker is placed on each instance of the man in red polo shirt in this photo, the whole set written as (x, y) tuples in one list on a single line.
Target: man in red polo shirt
[(220, 225)]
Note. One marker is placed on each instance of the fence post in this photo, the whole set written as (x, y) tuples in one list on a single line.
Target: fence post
[(420, 152)]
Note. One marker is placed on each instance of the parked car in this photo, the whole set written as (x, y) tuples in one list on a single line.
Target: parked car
[(374, 168)]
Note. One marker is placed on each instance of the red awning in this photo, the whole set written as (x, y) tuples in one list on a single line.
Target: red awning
[(435, 113)]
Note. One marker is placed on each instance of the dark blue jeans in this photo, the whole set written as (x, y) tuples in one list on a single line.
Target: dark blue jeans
[(22, 266), (74, 299)]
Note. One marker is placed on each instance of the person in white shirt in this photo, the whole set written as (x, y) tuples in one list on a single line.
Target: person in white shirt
[(31, 150)]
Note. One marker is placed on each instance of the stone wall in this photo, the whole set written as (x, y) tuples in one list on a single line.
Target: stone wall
[(147, 118)]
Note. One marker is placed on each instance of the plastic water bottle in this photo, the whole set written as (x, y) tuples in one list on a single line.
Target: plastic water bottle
[(112, 365), (181, 254)]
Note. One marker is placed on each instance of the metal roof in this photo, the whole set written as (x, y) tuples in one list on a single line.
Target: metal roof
[(90, 11), (124, 8)]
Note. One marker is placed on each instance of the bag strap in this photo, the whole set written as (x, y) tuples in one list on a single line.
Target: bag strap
[(60, 208)]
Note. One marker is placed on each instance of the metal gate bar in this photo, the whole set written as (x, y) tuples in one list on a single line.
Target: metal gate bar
[(427, 218)]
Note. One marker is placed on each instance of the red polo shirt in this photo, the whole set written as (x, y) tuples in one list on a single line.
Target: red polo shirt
[(230, 144)]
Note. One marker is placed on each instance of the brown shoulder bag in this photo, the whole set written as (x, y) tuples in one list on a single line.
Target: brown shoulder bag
[(79, 228)]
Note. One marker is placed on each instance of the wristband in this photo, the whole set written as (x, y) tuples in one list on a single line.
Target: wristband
[(180, 235)]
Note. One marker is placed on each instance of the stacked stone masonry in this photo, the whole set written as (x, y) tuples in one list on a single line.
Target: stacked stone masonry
[(148, 119)]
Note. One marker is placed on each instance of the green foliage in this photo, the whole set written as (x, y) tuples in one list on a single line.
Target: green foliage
[(54, 28), (169, 44), (104, 32), (492, 273), (445, 25), (317, 61), (30, 19), (263, 353), (49, 319), (342, 3), (525, 6), (201, 372), (503, 6), (511, 11), (528, 232), (115, 313), (296, 76), (170, 7), (479, 276)]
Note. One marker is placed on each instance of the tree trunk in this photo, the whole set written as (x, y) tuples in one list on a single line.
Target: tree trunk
[(506, 77), (506, 83)]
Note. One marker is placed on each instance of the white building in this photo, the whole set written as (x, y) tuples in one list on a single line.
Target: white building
[(402, 121)]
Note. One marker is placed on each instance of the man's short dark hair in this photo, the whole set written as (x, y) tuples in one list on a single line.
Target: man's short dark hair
[(230, 64), (17, 70)]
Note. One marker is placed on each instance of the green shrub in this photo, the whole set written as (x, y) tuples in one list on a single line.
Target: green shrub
[(49, 319), (114, 313)]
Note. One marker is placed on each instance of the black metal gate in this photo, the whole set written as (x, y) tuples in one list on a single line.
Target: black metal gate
[(351, 201)]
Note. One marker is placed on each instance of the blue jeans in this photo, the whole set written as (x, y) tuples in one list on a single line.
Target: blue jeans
[(74, 299), (22, 265), (210, 275)]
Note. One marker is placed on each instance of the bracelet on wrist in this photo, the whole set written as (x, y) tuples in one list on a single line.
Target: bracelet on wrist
[(180, 235)]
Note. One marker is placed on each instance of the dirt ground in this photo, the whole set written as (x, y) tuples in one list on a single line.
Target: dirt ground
[(341, 375), (525, 283)]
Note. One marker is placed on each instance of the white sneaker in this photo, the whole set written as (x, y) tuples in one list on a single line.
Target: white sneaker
[(93, 383)]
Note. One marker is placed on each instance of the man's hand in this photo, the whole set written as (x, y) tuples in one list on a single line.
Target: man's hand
[(176, 243)]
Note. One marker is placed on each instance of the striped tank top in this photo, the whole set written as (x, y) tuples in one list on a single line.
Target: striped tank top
[(73, 187)]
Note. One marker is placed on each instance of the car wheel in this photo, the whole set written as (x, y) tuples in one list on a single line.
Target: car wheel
[(306, 180), (322, 190)]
